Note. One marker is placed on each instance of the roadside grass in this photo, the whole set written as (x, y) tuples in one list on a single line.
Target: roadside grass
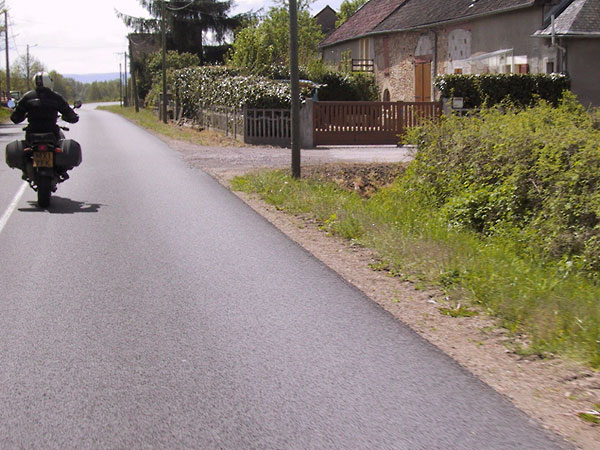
[(5, 114), (553, 311), (593, 415), (147, 119)]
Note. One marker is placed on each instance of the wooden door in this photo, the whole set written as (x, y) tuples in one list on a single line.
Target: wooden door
[(423, 82)]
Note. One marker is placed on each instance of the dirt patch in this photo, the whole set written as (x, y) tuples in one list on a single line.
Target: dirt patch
[(365, 178), (552, 391)]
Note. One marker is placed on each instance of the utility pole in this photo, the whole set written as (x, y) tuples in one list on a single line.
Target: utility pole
[(27, 69), (295, 81), (6, 43), (125, 97), (121, 84), (163, 30)]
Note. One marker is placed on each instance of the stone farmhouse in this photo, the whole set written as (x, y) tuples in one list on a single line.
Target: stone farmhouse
[(406, 43)]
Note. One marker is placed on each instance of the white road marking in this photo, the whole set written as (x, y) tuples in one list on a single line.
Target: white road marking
[(13, 205)]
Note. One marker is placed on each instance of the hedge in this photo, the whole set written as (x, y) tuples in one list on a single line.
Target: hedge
[(492, 89), (220, 86), (534, 173)]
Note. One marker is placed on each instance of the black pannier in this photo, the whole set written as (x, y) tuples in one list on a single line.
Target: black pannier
[(70, 156), (15, 155)]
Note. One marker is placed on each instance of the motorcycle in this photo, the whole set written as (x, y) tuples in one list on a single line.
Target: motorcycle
[(44, 160)]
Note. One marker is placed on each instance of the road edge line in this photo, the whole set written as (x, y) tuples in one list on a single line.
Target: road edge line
[(13, 205)]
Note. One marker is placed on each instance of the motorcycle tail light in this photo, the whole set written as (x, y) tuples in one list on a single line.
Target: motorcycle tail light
[(42, 147)]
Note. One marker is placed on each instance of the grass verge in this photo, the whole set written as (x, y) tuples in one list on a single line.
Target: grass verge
[(555, 312), (149, 120), (5, 114)]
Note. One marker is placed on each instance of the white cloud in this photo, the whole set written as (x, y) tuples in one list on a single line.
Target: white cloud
[(70, 36), (85, 36)]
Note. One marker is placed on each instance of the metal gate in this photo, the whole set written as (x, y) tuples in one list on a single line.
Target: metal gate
[(363, 123)]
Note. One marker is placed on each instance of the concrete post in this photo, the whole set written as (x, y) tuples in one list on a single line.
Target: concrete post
[(306, 124)]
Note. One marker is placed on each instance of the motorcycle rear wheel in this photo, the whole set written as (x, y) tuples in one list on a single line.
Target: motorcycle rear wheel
[(44, 191)]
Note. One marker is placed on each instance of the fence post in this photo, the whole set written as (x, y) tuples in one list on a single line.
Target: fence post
[(306, 124), (245, 118), (235, 120), (400, 117), (199, 116), (177, 105)]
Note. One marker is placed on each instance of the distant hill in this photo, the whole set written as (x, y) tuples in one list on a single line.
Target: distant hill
[(91, 77)]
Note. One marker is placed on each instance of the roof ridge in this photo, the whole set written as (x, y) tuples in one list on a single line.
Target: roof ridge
[(363, 21), (415, 14)]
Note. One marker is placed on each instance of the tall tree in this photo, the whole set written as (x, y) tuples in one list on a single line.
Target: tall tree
[(267, 42), (23, 68), (347, 8), (188, 23)]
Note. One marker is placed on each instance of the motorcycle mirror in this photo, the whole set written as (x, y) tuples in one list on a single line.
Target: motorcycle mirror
[(10, 103), (77, 104)]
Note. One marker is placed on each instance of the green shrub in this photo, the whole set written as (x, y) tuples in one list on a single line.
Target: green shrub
[(493, 89), (534, 173), (456, 85), (338, 86)]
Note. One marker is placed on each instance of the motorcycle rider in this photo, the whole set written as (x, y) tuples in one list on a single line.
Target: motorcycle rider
[(41, 107)]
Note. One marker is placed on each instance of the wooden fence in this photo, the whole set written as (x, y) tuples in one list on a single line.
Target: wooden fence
[(228, 120), (268, 127), (329, 123), (347, 123), (252, 125)]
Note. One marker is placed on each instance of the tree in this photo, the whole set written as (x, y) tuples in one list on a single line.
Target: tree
[(67, 87), (102, 91), (149, 71), (22, 72), (262, 44), (347, 9), (188, 21)]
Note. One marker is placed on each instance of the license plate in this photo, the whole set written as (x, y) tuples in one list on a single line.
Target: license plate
[(43, 159)]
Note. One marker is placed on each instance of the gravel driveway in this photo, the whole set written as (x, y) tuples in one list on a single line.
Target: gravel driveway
[(224, 162)]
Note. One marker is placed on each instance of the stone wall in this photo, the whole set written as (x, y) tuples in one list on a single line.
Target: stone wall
[(394, 65)]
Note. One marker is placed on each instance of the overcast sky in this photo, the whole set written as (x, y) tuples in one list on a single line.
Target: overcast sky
[(83, 36)]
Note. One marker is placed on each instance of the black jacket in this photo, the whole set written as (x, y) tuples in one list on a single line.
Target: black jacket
[(41, 108)]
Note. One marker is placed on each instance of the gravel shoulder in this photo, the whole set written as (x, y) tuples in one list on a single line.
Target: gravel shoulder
[(552, 391)]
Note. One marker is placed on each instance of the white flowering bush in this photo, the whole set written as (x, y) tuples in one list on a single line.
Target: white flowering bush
[(220, 86)]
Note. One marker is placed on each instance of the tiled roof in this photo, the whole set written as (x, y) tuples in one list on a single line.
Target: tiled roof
[(580, 18), (362, 21), (421, 13)]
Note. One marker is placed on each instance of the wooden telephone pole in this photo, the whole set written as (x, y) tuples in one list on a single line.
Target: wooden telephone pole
[(6, 45), (295, 82)]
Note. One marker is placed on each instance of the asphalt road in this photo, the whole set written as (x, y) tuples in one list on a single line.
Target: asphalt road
[(151, 308)]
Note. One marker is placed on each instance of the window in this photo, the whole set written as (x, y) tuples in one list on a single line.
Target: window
[(363, 50)]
